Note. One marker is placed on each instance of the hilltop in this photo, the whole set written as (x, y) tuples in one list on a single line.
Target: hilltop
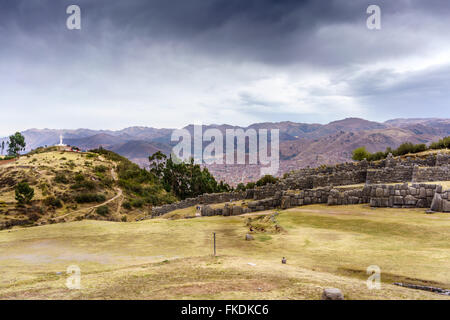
[(70, 186)]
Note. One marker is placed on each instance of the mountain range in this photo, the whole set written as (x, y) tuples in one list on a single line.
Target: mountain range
[(301, 144)]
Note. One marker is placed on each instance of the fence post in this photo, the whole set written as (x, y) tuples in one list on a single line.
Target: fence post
[(214, 244)]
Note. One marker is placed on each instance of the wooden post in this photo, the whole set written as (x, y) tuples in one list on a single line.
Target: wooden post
[(214, 244)]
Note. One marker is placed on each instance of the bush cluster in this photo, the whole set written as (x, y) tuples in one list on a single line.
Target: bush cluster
[(103, 210), (89, 197), (53, 202), (405, 148), (61, 178)]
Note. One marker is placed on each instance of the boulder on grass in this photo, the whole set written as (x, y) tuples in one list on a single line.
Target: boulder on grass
[(332, 294), (248, 237)]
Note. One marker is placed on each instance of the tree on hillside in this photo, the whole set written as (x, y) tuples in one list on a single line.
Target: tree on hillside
[(184, 179), (360, 154), (157, 161), (3, 146), (16, 144), (24, 193)]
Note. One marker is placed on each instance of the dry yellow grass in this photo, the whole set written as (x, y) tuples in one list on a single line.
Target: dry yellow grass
[(172, 259), (40, 170)]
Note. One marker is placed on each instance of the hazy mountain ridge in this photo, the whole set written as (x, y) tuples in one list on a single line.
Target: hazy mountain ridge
[(301, 144)]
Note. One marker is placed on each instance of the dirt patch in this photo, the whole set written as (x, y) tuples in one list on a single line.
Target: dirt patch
[(3, 162), (391, 278), (329, 212), (237, 285)]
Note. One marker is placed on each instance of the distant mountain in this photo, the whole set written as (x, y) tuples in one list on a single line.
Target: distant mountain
[(101, 139), (301, 144), (338, 147), (138, 151)]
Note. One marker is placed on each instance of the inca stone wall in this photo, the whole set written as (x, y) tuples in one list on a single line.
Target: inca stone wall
[(437, 173), (207, 198), (315, 185), (441, 201), (399, 173), (403, 196)]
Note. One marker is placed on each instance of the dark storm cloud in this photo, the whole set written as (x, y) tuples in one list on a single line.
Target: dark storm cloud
[(270, 31), (165, 63), (275, 32)]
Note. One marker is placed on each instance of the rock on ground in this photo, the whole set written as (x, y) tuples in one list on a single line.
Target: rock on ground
[(332, 294)]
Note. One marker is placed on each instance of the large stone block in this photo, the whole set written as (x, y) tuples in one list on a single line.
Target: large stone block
[(285, 202), (422, 192), (237, 210), (379, 192), (445, 205), (437, 203), (410, 201), (398, 200)]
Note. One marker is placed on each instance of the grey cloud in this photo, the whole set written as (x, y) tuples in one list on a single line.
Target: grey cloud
[(135, 60)]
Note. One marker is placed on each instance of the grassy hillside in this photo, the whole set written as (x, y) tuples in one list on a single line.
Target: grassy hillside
[(172, 259), (73, 186)]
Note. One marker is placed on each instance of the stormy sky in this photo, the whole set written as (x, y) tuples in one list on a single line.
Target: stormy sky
[(167, 63)]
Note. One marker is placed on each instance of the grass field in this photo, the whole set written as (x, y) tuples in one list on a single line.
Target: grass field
[(172, 259)]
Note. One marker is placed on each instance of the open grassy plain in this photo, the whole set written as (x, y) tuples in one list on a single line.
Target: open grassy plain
[(172, 259)]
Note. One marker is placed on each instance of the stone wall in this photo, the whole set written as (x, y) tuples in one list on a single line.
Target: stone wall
[(441, 201), (352, 196), (403, 196), (207, 198), (438, 173), (399, 173), (281, 199), (316, 185)]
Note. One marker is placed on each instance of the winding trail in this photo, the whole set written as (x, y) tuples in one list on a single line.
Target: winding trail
[(89, 209)]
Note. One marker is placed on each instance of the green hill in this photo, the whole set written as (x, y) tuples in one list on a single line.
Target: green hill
[(71, 186)]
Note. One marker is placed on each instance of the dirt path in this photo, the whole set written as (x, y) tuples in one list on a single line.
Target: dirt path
[(115, 178), (118, 195)]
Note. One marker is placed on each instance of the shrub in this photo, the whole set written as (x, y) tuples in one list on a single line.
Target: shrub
[(71, 164), (250, 185), (137, 203), (266, 180), (376, 156), (88, 197), (103, 210), (24, 193), (79, 177), (84, 185), (53, 202), (360, 154), (100, 168), (91, 155), (61, 178), (107, 182), (127, 205)]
